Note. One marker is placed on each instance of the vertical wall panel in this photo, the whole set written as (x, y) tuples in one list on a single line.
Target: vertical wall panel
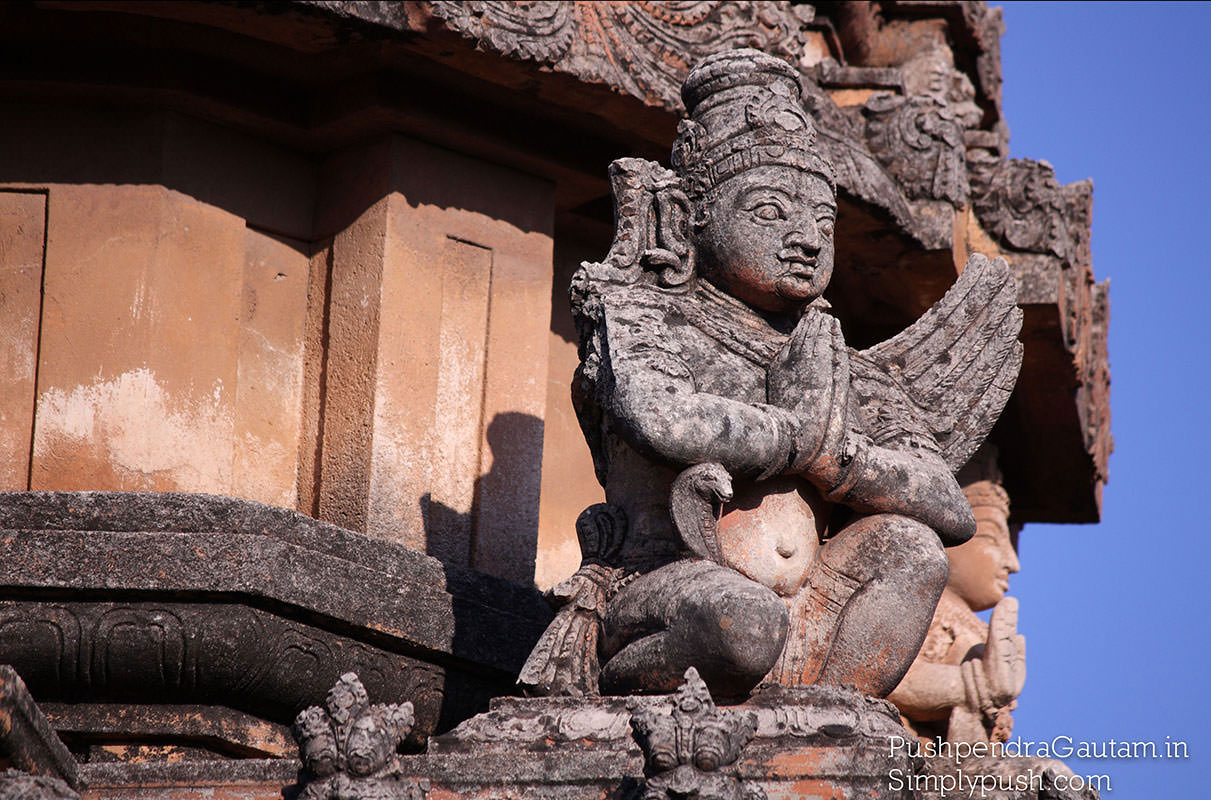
[(138, 357), (269, 395), (22, 237), (459, 404), (441, 294)]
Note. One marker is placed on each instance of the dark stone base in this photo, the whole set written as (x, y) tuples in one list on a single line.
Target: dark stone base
[(145, 621)]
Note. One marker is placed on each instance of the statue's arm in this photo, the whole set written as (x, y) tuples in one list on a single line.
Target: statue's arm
[(810, 376), (649, 394), (875, 479), (929, 691)]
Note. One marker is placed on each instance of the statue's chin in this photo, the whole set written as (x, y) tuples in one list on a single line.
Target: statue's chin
[(796, 291)]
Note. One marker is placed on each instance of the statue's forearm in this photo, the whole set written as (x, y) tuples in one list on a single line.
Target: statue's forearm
[(929, 691), (878, 480), (666, 418)]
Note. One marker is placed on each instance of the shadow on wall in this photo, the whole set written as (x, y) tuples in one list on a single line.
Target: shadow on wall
[(498, 533)]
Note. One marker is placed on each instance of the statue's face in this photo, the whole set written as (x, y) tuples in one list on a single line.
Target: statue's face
[(768, 238), (980, 567)]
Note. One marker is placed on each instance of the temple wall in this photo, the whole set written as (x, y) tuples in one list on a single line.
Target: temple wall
[(362, 337)]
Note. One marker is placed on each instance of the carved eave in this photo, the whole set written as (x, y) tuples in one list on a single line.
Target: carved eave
[(1063, 403), (873, 35)]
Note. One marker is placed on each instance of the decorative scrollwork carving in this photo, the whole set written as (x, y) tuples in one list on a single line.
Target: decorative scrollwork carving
[(920, 144), (1021, 203), (643, 48), (540, 29)]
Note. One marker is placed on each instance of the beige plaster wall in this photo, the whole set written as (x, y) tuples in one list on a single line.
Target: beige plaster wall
[(437, 358), (362, 336)]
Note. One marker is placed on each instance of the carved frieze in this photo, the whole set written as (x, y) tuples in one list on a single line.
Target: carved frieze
[(1020, 202), (644, 48), (217, 654), (920, 144)]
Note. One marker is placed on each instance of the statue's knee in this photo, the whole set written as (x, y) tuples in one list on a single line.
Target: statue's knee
[(734, 633), (918, 551), (894, 544)]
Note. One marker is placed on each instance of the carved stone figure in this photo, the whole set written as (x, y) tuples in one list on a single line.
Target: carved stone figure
[(778, 500), (348, 747), (965, 682), (688, 747), (968, 675)]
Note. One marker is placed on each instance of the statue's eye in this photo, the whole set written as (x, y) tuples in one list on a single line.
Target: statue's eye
[(767, 211), (825, 224)]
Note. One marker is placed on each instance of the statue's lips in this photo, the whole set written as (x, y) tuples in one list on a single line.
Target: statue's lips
[(799, 266)]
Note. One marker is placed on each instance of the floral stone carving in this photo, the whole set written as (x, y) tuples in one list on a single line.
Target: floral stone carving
[(785, 497), (348, 747), (688, 746)]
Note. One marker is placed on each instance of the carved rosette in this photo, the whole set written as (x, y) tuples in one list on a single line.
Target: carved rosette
[(689, 746), (919, 143), (348, 747)]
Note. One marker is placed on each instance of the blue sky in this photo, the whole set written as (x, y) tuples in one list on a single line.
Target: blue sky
[(1117, 615)]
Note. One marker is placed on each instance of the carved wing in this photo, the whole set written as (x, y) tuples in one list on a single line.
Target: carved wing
[(859, 172), (958, 362)]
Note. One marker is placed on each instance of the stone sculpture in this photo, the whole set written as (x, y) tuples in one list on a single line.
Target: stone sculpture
[(15, 785), (777, 501), (967, 677), (688, 747), (965, 682), (348, 747)]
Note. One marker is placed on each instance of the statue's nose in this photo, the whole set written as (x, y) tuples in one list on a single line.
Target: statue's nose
[(806, 234), (1014, 565)]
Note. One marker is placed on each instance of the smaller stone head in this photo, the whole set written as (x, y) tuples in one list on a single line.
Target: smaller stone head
[(369, 745), (762, 201), (980, 567)]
